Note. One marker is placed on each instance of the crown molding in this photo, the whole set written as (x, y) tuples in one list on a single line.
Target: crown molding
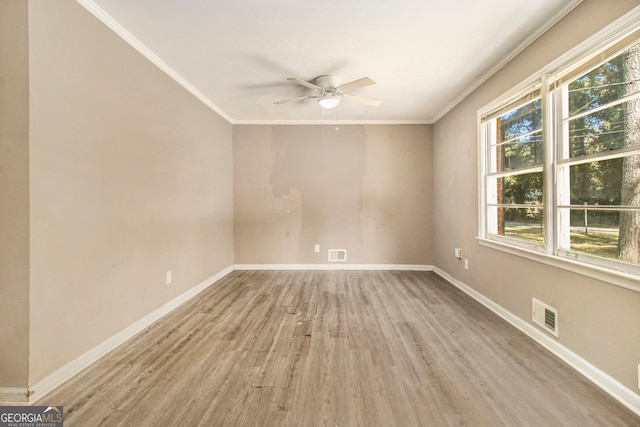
[(498, 66), (115, 26)]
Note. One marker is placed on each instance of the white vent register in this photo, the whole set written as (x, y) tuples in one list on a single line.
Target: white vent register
[(545, 316), (337, 255)]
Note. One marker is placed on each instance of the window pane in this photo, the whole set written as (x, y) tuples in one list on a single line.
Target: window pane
[(611, 234), (595, 232), (521, 223), (598, 87), (604, 130), (523, 152), (519, 137), (597, 183), (520, 189), (613, 126)]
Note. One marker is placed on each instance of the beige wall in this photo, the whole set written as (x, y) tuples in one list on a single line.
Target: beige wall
[(598, 321), (131, 176), (367, 189), (14, 191)]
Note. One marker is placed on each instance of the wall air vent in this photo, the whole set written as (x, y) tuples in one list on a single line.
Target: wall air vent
[(546, 317), (337, 255)]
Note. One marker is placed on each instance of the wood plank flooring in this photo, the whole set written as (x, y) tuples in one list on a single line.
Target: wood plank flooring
[(333, 348)]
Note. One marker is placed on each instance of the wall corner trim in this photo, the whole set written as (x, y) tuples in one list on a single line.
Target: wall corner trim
[(66, 372), (14, 396), (600, 378)]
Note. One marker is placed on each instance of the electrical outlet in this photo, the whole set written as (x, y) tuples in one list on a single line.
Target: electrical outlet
[(457, 253), (466, 264), (316, 248), (169, 277), (639, 376)]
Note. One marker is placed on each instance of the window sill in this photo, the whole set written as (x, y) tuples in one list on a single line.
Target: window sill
[(624, 280)]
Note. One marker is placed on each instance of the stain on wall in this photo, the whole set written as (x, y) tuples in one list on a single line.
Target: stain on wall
[(326, 168), (366, 189)]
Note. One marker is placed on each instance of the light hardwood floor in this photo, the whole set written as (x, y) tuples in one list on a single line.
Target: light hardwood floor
[(333, 348)]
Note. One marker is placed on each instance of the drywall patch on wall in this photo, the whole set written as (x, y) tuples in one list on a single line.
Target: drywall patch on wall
[(266, 228), (326, 167), (367, 189)]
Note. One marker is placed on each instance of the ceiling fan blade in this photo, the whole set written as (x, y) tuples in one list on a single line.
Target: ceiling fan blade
[(373, 102), (305, 83), (300, 98), (365, 81)]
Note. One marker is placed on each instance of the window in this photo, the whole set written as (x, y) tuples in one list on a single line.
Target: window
[(514, 179), (598, 170), (560, 161)]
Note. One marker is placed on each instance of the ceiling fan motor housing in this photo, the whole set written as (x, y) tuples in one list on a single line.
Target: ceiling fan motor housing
[(328, 82)]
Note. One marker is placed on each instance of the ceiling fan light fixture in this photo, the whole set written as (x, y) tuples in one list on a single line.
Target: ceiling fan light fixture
[(329, 101)]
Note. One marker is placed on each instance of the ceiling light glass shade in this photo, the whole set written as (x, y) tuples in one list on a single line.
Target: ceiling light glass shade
[(329, 101)]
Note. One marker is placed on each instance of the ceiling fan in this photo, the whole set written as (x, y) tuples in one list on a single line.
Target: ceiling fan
[(329, 92)]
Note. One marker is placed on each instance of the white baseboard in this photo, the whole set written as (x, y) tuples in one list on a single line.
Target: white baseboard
[(334, 266), (610, 385), (50, 382)]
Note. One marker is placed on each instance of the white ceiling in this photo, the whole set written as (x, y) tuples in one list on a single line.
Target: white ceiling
[(425, 55)]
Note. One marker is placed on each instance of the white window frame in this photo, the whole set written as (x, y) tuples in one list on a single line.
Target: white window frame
[(554, 133), (563, 203), (488, 130)]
